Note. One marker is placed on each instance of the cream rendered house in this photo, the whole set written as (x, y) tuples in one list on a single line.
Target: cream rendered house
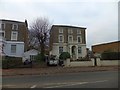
[(68, 39)]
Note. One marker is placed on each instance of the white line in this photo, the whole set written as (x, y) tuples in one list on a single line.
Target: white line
[(33, 86), (75, 83), (67, 85), (99, 81)]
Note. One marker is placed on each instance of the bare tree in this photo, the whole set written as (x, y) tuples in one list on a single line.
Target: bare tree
[(40, 33)]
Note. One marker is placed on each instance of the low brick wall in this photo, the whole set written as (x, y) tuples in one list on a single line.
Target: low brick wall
[(81, 63), (67, 63), (99, 62)]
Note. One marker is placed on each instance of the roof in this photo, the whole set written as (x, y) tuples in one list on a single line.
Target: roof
[(68, 26), (32, 52), (11, 21), (106, 43)]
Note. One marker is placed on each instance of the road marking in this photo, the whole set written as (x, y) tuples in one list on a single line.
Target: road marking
[(72, 84), (66, 85), (34, 86), (10, 86), (99, 81)]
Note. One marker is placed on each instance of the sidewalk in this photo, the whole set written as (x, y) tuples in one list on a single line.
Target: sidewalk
[(54, 70)]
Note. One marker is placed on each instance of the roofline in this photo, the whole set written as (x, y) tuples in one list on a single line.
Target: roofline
[(11, 21), (68, 26), (105, 43)]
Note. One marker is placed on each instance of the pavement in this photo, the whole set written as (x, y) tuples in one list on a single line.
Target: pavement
[(55, 70)]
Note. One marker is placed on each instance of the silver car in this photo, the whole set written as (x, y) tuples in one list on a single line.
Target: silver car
[(53, 61)]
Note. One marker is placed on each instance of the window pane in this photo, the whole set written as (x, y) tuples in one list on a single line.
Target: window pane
[(2, 34), (78, 31), (60, 30), (13, 48), (14, 36), (60, 50), (3, 26), (79, 49), (70, 38), (78, 39), (70, 31), (15, 27), (60, 38)]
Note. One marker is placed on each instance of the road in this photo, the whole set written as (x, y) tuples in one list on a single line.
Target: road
[(99, 79)]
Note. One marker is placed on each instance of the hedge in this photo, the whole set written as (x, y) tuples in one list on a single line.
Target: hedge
[(64, 55), (110, 56), (12, 62)]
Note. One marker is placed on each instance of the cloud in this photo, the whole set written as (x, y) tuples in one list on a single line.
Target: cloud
[(100, 18)]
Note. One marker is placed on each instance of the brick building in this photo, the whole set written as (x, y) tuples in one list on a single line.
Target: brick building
[(14, 37), (111, 46), (68, 39)]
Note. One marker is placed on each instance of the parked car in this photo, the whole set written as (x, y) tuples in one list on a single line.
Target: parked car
[(52, 61), (27, 62)]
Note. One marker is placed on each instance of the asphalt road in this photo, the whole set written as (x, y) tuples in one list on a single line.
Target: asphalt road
[(101, 79)]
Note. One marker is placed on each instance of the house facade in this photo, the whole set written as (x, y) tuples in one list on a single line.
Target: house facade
[(68, 39), (14, 37)]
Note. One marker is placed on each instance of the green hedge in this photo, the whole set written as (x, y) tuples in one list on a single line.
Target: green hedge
[(110, 56), (64, 55), (12, 62)]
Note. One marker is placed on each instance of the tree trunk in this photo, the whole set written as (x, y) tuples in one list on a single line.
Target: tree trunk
[(42, 51)]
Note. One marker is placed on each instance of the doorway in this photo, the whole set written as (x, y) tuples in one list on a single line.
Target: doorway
[(73, 51)]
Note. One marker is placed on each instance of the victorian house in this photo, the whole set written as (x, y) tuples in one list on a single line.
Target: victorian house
[(13, 37), (70, 39)]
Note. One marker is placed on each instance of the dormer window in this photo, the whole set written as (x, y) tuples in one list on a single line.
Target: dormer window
[(14, 27)]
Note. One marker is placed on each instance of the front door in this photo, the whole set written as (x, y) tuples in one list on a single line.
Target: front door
[(73, 52)]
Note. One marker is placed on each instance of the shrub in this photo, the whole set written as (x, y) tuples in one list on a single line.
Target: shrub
[(40, 58), (110, 56), (11, 62), (64, 55)]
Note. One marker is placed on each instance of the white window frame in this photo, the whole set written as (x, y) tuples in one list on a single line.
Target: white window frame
[(1, 26), (3, 32), (78, 31), (69, 38), (79, 48), (32, 57), (12, 35), (59, 49), (13, 26), (13, 52), (60, 30), (80, 39), (70, 31), (62, 38)]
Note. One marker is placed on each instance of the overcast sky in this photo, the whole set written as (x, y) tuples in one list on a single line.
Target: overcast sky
[(100, 17)]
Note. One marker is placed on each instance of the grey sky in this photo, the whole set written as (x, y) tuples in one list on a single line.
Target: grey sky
[(100, 17)]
